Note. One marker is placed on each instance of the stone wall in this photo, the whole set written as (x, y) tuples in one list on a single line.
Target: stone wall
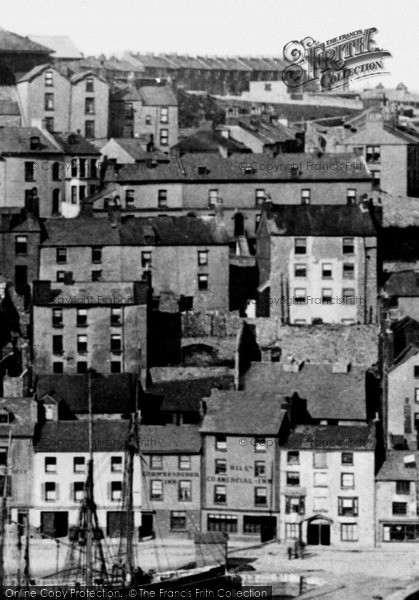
[(400, 212), (320, 343), (317, 343)]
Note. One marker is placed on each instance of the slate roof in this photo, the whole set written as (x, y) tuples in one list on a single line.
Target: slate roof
[(402, 283), (83, 74), (21, 425), (168, 231), (331, 437), (38, 70), (78, 146), (174, 231), (170, 439), (230, 63), (246, 413), (125, 93), (207, 140), (169, 171), (394, 469), (95, 293), (322, 220), (151, 61), (212, 62), (410, 351), (262, 64), (158, 96), (112, 394), (79, 232), (16, 140), (73, 436), (13, 43), (269, 133), (134, 148), (117, 64), (186, 395), (329, 395), (220, 168), (61, 45)]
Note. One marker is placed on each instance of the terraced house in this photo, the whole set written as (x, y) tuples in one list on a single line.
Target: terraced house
[(197, 182), (149, 114), (183, 258), (240, 472), (327, 486), (318, 264)]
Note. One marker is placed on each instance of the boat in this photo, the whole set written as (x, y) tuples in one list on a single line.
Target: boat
[(87, 564)]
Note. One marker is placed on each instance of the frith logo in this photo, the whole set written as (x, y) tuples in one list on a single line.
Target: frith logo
[(342, 59)]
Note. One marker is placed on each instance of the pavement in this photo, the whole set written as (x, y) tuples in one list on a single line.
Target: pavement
[(333, 574)]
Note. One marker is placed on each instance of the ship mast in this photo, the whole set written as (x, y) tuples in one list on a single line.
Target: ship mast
[(4, 513), (132, 451), (89, 488)]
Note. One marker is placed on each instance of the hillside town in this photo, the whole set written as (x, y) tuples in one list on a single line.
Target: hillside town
[(193, 252)]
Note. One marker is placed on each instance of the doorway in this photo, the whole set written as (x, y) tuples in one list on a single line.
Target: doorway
[(21, 278), (54, 524), (56, 201), (146, 528), (238, 224), (267, 529), (318, 534)]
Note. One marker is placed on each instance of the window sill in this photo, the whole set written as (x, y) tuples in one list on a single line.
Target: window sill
[(82, 325), (82, 352), (58, 325), (117, 352)]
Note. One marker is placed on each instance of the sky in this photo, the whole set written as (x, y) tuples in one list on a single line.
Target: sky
[(236, 27)]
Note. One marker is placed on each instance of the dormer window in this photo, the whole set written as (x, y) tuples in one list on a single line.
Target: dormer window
[(72, 139), (249, 170), (49, 412), (203, 170)]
